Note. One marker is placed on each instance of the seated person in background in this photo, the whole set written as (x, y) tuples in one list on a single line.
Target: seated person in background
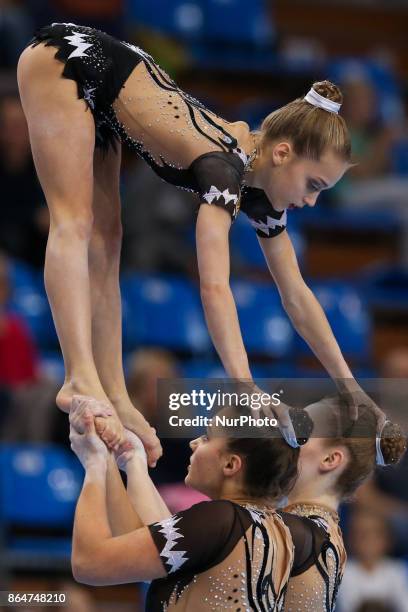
[(371, 574), (370, 183), (29, 397), (145, 367), (18, 355)]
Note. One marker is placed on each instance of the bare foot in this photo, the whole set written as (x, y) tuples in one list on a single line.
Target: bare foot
[(134, 420), (69, 389)]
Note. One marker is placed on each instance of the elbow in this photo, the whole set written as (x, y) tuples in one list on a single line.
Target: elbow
[(78, 571), (213, 290), (295, 306), (84, 571)]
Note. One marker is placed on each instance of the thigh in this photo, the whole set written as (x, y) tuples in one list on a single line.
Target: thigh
[(62, 132)]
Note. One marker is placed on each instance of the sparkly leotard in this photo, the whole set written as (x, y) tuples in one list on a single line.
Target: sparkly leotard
[(133, 100), (313, 587), (220, 555)]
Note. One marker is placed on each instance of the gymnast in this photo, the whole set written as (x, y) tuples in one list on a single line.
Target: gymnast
[(114, 92), (236, 551)]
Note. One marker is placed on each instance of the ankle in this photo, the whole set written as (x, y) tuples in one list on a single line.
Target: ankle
[(81, 385)]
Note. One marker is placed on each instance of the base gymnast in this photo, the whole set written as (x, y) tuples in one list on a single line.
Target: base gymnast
[(234, 552), (112, 92)]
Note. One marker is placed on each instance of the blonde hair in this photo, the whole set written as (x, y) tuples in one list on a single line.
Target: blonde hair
[(310, 129)]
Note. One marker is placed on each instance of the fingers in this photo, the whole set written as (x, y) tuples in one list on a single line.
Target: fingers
[(97, 407), (154, 455), (100, 425), (285, 425), (381, 418)]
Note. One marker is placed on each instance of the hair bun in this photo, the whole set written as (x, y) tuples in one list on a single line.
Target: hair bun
[(328, 90), (302, 424), (393, 443)]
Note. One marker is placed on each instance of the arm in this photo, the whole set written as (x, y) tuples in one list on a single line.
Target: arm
[(142, 494), (122, 516), (301, 305), (212, 229), (97, 557)]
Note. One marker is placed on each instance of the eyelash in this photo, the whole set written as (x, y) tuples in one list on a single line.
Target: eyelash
[(204, 438), (312, 186)]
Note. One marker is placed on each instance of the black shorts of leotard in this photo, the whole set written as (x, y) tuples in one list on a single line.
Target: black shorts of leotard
[(98, 63)]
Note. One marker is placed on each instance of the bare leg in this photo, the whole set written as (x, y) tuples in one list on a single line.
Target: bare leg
[(104, 260), (62, 137)]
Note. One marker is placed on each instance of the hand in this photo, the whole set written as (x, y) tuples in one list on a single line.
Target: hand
[(87, 446), (281, 414), (131, 448), (107, 423), (355, 397), (81, 405)]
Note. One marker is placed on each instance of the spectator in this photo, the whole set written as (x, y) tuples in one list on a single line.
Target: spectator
[(24, 216), (370, 183), (370, 574), (18, 356), (27, 399), (147, 366)]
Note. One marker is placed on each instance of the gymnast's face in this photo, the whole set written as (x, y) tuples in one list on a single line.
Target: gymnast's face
[(291, 181), (210, 465)]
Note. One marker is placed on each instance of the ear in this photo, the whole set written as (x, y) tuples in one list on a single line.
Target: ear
[(233, 464), (335, 457), (281, 153)]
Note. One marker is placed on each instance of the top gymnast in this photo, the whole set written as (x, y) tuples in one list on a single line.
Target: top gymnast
[(113, 92)]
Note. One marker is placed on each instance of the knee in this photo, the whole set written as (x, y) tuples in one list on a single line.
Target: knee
[(75, 227), (108, 233)]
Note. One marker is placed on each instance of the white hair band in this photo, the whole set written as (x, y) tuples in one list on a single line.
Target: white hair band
[(379, 459), (317, 100)]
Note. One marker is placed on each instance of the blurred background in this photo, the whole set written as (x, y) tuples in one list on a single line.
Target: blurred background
[(242, 59)]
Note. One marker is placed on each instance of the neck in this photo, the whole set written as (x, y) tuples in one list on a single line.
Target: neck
[(330, 501), (240, 497)]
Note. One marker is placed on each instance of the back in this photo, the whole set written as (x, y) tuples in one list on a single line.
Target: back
[(319, 560)]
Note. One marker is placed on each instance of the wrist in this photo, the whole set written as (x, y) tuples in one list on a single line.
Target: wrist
[(347, 384), (96, 465), (136, 465)]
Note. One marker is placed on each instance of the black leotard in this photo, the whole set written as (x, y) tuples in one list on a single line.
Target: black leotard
[(220, 555), (186, 144)]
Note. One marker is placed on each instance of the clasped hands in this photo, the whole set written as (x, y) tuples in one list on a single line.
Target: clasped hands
[(94, 433)]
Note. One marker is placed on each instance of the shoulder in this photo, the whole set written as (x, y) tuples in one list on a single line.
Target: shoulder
[(217, 515), (218, 163), (218, 177), (267, 221)]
